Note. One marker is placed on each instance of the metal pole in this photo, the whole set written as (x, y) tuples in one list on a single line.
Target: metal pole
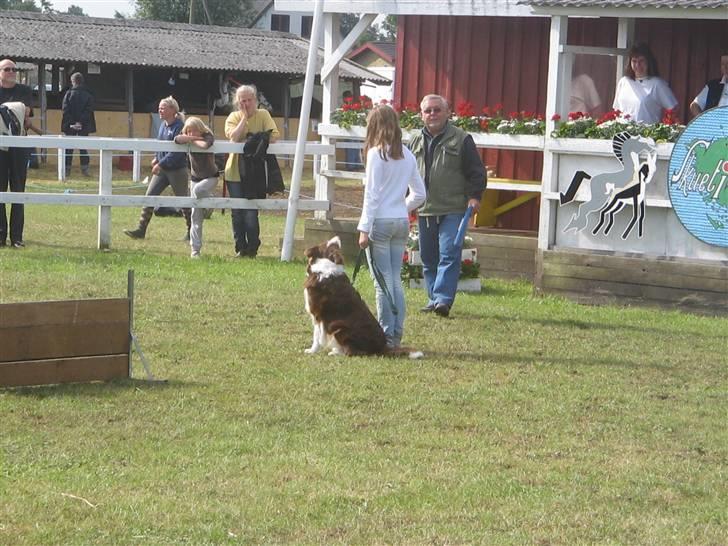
[(287, 250)]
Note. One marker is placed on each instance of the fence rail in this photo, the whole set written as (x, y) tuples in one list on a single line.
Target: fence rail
[(105, 199)]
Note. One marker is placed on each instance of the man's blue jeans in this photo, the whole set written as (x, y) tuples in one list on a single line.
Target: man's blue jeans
[(246, 228), (440, 257), (387, 242)]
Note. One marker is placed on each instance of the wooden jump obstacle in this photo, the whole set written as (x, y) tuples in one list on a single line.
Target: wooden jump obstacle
[(74, 341)]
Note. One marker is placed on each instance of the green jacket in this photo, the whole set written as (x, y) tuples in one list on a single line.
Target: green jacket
[(449, 184)]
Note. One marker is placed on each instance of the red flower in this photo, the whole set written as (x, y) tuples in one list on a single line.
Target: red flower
[(556, 117), (465, 109), (486, 110), (670, 118), (484, 124), (384, 101), (356, 106), (467, 262), (498, 107), (405, 257), (513, 115), (348, 99), (346, 107), (576, 115)]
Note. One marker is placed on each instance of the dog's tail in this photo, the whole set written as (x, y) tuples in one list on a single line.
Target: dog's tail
[(405, 352)]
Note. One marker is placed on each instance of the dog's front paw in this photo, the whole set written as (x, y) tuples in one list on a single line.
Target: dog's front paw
[(311, 350), (335, 352)]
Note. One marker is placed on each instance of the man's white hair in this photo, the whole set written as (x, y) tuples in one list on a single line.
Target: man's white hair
[(442, 100)]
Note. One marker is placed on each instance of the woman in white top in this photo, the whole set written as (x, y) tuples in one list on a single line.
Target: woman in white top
[(391, 170), (640, 93)]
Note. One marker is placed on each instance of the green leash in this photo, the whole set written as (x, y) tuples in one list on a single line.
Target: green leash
[(377, 276)]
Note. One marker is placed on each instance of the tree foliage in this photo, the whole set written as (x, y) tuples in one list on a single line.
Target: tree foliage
[(20, 5), (221, 12), (386, 31)]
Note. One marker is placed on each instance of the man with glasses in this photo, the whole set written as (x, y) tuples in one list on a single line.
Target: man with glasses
[(455, 179), (13, 161)]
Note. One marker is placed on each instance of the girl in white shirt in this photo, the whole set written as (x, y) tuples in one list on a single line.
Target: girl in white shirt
[(391, 170), (640, 93)]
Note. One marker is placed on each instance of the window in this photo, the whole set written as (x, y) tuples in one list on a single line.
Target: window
[(280, 22), (306, 24)]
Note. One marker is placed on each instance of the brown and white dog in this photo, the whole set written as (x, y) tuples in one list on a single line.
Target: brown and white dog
[(342, 322)]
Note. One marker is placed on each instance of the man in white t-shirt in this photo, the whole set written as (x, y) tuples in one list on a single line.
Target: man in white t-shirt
[(715, 92)]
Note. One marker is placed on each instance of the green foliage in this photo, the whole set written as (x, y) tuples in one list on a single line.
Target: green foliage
[(387, 31), (222, 12), (19, 5)]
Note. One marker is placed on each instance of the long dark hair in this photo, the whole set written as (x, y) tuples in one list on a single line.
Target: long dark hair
[(641, 50)]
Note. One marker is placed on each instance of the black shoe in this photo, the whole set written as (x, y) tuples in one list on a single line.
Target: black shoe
[(137, 233), (17, 244), (429, 308), (442, 310)]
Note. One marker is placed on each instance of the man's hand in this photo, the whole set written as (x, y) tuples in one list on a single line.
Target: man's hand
[(156, 169), (363, 240), (475, 203)]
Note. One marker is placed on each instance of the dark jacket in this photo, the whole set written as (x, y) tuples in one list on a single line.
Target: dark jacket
[(259, 171), (171, 160), (715, 90), (78, 107)]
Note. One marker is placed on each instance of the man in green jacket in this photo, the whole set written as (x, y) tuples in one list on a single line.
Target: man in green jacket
[(455, 179)]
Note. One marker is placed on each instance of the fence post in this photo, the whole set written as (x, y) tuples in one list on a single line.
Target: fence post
[(136, 170), (61, 165), (104, 237)]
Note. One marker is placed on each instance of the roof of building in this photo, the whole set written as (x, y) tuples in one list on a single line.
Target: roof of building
[(680, 4), (386, 50), (33, 36)]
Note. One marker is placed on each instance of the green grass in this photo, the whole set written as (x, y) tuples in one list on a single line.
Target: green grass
[(532, 420)]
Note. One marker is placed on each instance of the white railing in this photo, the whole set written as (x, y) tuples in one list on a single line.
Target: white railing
[(482, 140), (105, 199)]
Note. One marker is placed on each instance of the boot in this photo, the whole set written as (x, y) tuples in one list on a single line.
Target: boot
[(141, 231)]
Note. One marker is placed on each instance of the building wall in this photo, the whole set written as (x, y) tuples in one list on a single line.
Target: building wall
[(491, 60)]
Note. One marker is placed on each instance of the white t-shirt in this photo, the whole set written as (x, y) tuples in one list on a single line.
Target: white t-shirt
[(584, 95), (703, 95), (385, 186), (644, 99)]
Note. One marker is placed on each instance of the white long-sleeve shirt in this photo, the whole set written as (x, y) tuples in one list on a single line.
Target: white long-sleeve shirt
[(385, 187)]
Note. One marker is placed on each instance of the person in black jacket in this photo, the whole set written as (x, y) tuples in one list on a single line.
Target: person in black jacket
[(78, 118), (715, 92), (13, 161)]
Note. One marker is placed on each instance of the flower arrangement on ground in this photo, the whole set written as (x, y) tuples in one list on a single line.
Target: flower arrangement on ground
[(581, 125), (412, 264)]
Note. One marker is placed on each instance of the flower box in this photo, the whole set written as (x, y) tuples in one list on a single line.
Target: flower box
[(464, 285)]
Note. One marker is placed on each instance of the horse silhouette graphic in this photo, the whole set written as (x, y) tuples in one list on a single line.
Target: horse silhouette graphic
[(610, 192)]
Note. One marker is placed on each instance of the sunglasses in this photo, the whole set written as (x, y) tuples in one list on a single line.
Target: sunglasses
[(432, 111), (10, 69)]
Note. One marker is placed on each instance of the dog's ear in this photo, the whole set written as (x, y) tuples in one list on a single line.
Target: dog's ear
[(334, 241)]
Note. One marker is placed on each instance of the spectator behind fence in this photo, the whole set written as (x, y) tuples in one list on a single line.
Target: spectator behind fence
[(168, 168), (247, 120), (390, 171), (454, 176), (203, 175), (715, 92), (78, 118), (14, 161), (641, 93)]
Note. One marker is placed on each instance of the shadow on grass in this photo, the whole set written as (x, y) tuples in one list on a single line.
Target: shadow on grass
[(533, 359), (99, 388)]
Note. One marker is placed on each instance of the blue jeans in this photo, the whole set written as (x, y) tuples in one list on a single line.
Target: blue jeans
[(387, 242), (440, 257), (246, 228)]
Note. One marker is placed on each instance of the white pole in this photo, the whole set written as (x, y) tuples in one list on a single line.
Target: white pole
[(288, 236), (104, 240)]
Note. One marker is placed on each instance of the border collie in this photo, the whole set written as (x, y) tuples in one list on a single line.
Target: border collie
[(342, 322)]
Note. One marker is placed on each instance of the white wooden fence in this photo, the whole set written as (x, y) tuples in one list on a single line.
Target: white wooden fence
[(105, 199)]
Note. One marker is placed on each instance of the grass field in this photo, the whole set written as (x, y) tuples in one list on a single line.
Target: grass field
[(531, 421)]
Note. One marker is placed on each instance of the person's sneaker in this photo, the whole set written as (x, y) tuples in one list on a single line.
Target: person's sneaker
[(137, 233), (17, 244), (429, 308), (195, 255), (442, 310)]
